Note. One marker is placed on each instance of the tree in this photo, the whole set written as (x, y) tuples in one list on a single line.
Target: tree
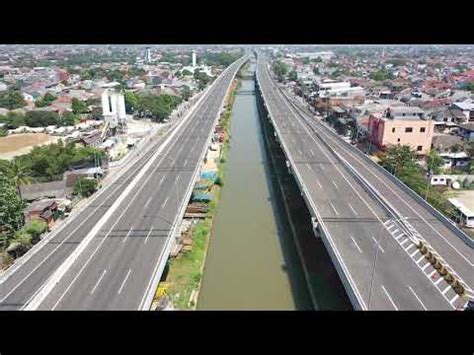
[(85, 187), (185, 93), (186, 72), (12, 99), (11, 208), (434, 162), (15, 120), (132, 101), (78, 106), (293, 76), (280, 69), (468, 86), (316, 70), (17, 172), (381, 75), (41, 118), (46, 100), (68, 119), (201, 78)]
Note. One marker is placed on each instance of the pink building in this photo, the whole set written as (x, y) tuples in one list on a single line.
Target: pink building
[(402, 126)]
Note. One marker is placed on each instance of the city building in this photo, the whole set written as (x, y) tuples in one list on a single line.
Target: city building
[(402, 126), (329, 88)]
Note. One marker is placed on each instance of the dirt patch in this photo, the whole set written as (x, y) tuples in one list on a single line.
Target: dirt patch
[(17, 144)]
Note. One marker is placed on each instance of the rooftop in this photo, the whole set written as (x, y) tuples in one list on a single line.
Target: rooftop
[(464, 202)]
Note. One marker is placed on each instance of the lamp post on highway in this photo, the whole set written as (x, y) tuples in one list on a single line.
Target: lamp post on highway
[(173, 162), (391, 220)]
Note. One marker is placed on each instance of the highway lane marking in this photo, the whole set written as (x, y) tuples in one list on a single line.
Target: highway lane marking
[(130, 231), (98, 281), (161, 180), (402, 200), (148, 201), (337, 187), (317, 181), (312, 153), (470, 263), (309, 167), (383, 251), (164, 203), (397, 238), (148, 235), (456, 296), (406, 240), (322, 166), (28, 256), (186, 161), (432, 273), (446, 290), (357, 246), (390, 298), (426, 265), (421, 258), (185, 122), (331, 241), (353, 210), (414, 253), (334, 208), (438, 281), (124, 281), (418, 298)]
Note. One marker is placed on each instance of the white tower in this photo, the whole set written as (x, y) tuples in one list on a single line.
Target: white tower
[(194, 59), (113, 108), (148, 55)]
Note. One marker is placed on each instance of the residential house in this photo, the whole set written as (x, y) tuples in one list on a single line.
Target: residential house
[(54, 189), (43, 209), (402, 126), (466, 131), (467, 108), (93, 139)]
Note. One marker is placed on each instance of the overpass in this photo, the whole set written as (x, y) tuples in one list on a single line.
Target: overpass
[(111, 254), (391, 249)]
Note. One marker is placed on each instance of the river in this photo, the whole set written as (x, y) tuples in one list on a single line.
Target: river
[(252, 263)]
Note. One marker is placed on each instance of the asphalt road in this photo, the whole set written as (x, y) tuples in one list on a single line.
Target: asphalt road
[(116, 267), (385, 269)]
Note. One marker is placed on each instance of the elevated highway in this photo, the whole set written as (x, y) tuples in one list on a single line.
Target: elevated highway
[(378, 232)]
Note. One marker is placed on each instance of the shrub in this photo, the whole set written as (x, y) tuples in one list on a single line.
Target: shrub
[(35, 228), (85, 187)]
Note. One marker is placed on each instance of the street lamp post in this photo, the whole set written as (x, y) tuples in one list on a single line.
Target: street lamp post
[(376, 254), (374, 265)]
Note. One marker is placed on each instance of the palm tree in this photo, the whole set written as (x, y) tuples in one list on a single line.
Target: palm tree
[(17, 172)]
